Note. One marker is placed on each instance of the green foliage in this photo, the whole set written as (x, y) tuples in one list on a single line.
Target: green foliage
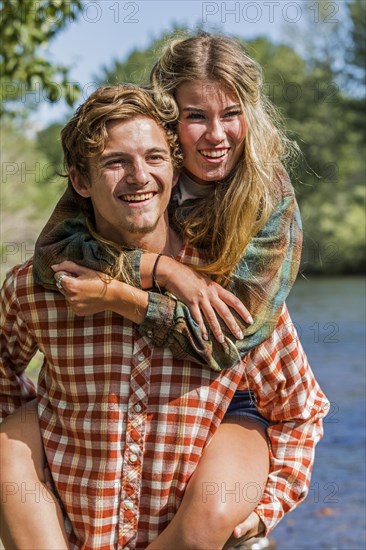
[(28, 194), (329, 179), (136, 68), (27, 28), (356, 50), (48, 142)]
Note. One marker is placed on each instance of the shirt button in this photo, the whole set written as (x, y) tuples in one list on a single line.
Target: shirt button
[(141, 357), (138, 408), (149, 333), (128, 504), (129, 490), (133, 458)]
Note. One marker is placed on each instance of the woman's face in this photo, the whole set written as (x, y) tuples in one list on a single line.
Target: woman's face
[(211, 129)]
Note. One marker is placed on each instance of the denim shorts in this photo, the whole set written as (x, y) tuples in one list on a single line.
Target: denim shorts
[(243, 404)]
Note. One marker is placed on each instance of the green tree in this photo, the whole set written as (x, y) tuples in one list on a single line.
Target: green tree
[(355, 74), (27, 26), (136, 68), (356, 50), (332, 130), (28, 194)]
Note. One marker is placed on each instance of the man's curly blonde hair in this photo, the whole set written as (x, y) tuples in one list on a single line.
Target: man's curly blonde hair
[(85, 135)]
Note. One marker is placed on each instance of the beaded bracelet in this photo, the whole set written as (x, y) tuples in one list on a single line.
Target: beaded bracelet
[(154, 281)]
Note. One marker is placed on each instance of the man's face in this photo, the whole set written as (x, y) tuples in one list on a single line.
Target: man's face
[(131, 181)]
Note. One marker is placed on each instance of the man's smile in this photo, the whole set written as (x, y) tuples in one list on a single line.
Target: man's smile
[(137, 197)]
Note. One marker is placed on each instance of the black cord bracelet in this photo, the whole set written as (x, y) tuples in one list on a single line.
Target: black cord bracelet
[(154, 281)]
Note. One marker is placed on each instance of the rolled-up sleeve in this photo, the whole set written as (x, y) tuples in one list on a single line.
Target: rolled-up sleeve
[(169, 323)]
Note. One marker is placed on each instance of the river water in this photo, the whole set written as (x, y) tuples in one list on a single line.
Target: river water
[(329, 315)]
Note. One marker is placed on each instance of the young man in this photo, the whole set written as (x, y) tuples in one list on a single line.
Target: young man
[(124, 423), (117, 414)]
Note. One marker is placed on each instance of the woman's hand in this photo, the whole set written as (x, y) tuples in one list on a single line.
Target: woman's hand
[(89, 292), (205, 298), (85, 290)]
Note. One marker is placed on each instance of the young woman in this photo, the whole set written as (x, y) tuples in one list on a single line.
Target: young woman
[(235, 203)]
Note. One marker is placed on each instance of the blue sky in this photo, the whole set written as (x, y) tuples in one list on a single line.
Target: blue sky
[(110, 29)]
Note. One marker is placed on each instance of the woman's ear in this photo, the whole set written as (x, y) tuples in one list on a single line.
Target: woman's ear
[(79, 182)]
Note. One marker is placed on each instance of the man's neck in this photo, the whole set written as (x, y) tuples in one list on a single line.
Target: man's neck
[(161, 240), (166, 242)]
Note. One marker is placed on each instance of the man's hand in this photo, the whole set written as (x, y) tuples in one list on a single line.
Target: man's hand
[(251, 527)]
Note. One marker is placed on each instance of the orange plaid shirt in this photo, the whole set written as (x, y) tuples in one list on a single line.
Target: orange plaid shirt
[(124, 423)]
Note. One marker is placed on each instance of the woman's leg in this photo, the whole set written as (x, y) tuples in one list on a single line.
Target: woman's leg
[(31, 517), (225, 488)]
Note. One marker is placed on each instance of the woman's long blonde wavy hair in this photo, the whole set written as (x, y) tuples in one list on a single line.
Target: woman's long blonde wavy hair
[(224, 222)]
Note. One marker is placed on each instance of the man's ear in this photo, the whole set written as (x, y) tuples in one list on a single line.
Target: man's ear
[(79, 182), (176, 174)]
